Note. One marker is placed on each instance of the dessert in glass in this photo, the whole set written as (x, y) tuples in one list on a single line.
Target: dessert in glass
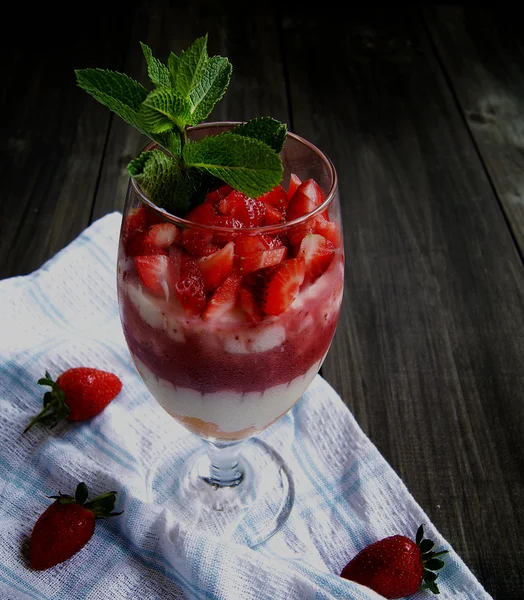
[(229, 313)]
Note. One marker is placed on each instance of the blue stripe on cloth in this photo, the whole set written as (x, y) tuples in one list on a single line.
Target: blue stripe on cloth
[(18, 375), (110, 536), (20, 585), (160, 562)]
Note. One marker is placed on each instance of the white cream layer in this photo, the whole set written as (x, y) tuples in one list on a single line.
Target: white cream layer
[(229, 411)]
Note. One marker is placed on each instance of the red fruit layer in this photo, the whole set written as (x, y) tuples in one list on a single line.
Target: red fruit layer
[(201, 362)]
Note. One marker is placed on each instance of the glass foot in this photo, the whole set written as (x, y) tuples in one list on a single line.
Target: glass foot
[(250, 509)]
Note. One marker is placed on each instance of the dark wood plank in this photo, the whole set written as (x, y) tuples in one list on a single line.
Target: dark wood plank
[(429, 350), (482, 50), (54, 135), (250, 42)]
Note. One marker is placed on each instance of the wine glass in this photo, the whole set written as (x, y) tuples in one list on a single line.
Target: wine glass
[(228, 365)]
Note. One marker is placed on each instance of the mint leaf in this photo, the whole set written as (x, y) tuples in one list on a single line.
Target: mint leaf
[(158, 72), (248, 165), (266, 129), (172, 64), (162, 180), (117, 91), (210, 89), (190, 66), (162, 109), (174, 144)]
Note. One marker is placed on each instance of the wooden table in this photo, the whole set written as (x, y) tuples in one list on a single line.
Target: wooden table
[(421, 110)]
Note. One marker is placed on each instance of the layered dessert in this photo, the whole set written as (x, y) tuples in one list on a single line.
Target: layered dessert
[(229, 312)]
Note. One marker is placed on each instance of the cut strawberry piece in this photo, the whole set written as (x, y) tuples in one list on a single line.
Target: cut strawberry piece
[(215, 196), (176, 255), (216, 267), (329, 230), (307, 197), (224, 221), (281, 286), (296, 234), (190, 286), (223, 299), (162, 235), (294, 184), (204, 214), (277, 197), (136, 223), (317, 253), (228, 203), (198, 242), (273, 216), (139, 244), (246, 244), (157, 274), (260, 260), (249, 305), (248, 211), (320, 225)]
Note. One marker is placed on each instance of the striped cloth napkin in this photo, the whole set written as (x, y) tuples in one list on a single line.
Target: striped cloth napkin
[(347, 496)]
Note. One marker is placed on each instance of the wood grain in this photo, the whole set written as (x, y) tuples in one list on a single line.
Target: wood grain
[(429, 348), (483, 55), (52, 142), (167, 26)]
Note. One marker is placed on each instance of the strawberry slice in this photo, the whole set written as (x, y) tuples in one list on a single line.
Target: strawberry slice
[(190, 285), (204, 214), (260, 260), (135, 224), (320, 225), (249, 305), (197, 241), (317, 253), (307, 197), (226, 221), (215, 196), (223, 299), (329, 230), (216, 267), (281, 286), (246, 244), (277, 198), (294, 183), (156, 272), (249, 211), (228, 203), (140, 245), (162, 235), (273, 216)]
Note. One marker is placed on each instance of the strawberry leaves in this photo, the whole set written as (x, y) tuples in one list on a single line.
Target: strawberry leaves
[(429, 560), (55, 407), (185, 93)]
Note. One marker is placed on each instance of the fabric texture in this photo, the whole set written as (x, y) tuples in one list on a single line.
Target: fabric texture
[(347, 496)]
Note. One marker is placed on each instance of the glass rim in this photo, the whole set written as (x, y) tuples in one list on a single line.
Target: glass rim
[(276, 228)]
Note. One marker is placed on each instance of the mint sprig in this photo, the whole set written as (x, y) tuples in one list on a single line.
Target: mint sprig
[(241, 161), (185, 92), (158, 72)]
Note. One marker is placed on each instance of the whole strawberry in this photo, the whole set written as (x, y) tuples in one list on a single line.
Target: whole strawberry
[(396, 566), (66, 526), (77, 395)]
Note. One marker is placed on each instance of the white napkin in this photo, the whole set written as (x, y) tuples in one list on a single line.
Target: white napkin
[(347, 496)]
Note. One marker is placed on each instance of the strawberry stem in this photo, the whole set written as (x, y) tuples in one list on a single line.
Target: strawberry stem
[(55, 405), (430, 561), (101, 506)]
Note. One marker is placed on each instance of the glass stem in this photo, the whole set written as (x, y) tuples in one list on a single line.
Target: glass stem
[(224, 470)]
